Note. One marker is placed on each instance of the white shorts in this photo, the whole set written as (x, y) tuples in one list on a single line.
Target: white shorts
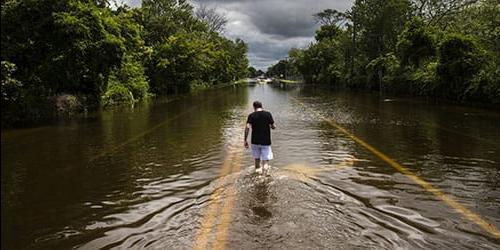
[(264, 153)]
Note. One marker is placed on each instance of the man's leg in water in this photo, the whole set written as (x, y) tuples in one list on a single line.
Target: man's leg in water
[(266, 156), (256, 152), (257, 163), (265, 167)]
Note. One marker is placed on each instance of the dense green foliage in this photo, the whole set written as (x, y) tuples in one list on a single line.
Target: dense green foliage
[(443, 48), (253, 72), (107, 55), (282, 69)]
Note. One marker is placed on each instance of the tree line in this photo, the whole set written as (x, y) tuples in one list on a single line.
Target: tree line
[(440, 48), (103, 54)]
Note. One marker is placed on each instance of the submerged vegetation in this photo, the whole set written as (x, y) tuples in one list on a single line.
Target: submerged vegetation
[(103, 54), (442, 48)]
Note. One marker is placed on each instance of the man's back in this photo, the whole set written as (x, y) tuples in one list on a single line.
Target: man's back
[(261, 131)]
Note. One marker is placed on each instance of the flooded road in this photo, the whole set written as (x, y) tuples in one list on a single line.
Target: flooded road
[(176, 176)]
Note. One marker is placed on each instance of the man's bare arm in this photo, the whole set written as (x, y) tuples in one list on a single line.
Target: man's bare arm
[(247, 130), (272, 126)]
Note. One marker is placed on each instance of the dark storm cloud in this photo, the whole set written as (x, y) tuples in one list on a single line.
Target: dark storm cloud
[(271, 27), (279, 17), (287, 18)]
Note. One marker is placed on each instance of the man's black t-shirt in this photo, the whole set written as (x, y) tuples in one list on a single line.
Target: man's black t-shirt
[(261, 131)]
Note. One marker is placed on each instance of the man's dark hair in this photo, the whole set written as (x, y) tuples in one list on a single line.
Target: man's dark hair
[(257, 105)]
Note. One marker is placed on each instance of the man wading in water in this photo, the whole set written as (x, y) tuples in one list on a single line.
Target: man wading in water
[(261, 122)]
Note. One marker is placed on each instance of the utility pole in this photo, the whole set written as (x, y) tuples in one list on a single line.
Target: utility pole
[(353, 52), (286, 67), (380, 75)]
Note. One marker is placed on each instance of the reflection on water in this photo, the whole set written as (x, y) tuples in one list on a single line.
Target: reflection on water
[(146, 177)]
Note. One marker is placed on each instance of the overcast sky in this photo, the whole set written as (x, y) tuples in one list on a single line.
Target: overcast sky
[(270, 27)]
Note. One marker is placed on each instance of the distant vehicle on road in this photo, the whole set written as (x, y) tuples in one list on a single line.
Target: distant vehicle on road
[(263, 80), (251, 80)]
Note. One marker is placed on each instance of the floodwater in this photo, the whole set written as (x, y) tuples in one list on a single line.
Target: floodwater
[(175, 175)]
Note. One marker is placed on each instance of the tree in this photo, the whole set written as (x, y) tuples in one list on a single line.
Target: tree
[(460, 60), (481, 20), (239, 59), (72, 48), (330, 17), (327, 32), (10, 86), (177, 63), (279, 69), (380, 22), (163, 18), (97, 53), (188, 52), (394, 44), (216, 22), (191, 60), (436, 12), (320, 62), (416, 43), (382, 70), (252, 72)]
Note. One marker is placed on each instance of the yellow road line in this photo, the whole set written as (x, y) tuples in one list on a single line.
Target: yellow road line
[(222, 229), (471, 216), (210, 216), (304, 172), (232, 164), (436, 125)]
